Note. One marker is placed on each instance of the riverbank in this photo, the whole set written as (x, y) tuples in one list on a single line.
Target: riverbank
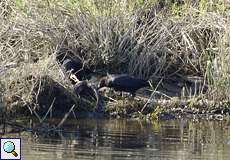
[(183, 49), (49, 99)]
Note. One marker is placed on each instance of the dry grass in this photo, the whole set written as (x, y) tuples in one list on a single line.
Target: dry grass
[(117, 37)]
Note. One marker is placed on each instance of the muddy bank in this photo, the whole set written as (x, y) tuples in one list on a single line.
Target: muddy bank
[(170, 109), (50, 100)]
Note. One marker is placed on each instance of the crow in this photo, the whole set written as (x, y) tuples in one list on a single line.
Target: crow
[(76, 70), (123, 82), (73, 67), (85, 90)]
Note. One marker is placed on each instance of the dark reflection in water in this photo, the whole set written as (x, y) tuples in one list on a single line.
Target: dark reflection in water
[(130, 139)]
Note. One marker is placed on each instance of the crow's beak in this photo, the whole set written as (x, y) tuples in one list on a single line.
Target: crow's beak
[(74, 78)]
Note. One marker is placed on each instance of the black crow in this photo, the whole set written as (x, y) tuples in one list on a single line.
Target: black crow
[(84, 90), (76, 70), (123, 82), (72, 65)]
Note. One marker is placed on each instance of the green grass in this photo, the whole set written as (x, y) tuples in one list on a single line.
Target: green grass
[(135, 37)]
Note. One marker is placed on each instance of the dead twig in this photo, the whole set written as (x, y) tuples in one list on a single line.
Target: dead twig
[(65, 117)]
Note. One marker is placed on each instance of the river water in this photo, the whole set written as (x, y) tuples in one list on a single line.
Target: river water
[(129, 140)]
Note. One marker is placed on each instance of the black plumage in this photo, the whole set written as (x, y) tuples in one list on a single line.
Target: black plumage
[(72, 65), (123, 82), (89, 92), (83, 89), (76, 68)]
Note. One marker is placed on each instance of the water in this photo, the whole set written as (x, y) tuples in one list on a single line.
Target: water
[(130, 140)]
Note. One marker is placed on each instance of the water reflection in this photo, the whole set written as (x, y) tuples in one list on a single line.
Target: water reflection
[(129, 139)]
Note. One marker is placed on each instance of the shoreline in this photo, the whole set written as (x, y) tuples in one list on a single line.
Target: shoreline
[(118, 107)]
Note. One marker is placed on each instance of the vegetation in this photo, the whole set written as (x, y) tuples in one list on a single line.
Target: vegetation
[(145, 38)]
